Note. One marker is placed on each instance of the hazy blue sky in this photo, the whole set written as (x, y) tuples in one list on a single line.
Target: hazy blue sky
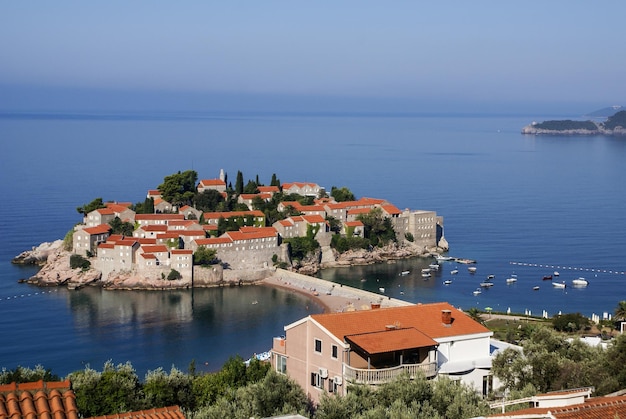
[(481, 52)]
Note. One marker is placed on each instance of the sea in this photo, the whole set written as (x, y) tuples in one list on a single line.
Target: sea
[(516, 204)]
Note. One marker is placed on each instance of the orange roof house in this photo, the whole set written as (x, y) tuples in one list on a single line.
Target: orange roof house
[(567, 404), (38, 400), (207, 184), (322, 352)]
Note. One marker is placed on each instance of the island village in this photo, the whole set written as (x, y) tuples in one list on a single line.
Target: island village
[(372, 344)]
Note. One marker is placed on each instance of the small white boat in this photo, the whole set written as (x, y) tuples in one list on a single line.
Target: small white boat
[(381, 289), (477, 291), (426, 275), (511, 279), (454, 272), (447, 282), (491, 277), (559, 285), (486, 284), (441, 258), (404, 273), (535, 288), (472, 269), (556, 273), (434, 266), (425, 270), (580, 282)]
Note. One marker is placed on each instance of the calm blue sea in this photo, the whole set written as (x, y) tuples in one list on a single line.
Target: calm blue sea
[(506, 198)]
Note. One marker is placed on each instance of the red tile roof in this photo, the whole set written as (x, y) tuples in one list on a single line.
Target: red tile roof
[(38, 400), (159, 248), (593, 408), (105, 211), (139, 217), (356, 223), (391, 209), (154, 227), (172, 412), (391, 340), (256, 233), (268, 189), (230, 214), (427, 318), (211, 182), (213, 240), (181, 252), (99, 229)]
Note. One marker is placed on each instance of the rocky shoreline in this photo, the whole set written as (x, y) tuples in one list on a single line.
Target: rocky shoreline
[(56, 271), (532, 129)]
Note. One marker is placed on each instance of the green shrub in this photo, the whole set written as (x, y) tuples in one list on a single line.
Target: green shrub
[(173, 275), (77, 261)]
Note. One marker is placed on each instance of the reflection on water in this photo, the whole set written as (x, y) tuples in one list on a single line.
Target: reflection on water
[(154, 329)]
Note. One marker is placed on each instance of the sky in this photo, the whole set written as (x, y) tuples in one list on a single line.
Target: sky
[(402, 54)]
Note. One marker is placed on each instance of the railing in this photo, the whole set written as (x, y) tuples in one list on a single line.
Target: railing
[(384, 375)]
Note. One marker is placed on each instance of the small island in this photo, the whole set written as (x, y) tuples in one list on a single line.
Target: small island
[(202, 233), (614, 125)]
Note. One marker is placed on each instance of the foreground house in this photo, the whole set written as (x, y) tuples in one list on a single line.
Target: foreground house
[(325, 352), (566, 404), (57, 400)]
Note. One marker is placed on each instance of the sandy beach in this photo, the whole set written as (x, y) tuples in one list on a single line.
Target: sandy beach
[(332, 297)]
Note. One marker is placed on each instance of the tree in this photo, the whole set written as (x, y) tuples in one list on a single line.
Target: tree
[(26, 375), (342, 194), (179, 188), (145, 207), (204, 256), (570, 322), (274, 181), (114, 390), (77, 261), (162, 389), (620, 311), (333, 223), (93, 205), (377, 228), (174, 275), (239, 183), (121, 227), (208, 201)]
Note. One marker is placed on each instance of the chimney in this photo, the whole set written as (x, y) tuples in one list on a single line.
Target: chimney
[(446, 317), (374, 306)]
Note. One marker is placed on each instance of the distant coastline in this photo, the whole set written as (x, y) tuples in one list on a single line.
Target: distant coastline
[(614, 125)]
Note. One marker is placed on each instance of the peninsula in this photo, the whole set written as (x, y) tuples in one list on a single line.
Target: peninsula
[(614, 125), (190, 233)]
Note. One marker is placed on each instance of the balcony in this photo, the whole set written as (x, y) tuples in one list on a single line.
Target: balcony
[(384, 375)]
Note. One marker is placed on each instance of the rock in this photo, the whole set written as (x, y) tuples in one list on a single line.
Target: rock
[(57, 271), (38, 255)]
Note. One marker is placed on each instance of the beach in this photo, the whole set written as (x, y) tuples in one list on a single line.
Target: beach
[(334, 298)]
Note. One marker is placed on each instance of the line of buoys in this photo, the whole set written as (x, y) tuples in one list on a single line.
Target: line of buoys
[(15, 297), (571, 268)]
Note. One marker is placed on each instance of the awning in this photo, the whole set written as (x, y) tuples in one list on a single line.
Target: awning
[(457, 367)]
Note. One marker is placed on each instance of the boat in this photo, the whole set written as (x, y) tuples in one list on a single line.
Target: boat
[(477, 291), (559, 285), (490, 277), (454, 272), (441, 258), (511, 279), (580, 282), (486, 284), (404, 273), (425, 270), (381, 289), (447, 282), (434, 266), (556, 273), (426, 275), (536, 288), (466, 261), (547, 278), (472, 269)]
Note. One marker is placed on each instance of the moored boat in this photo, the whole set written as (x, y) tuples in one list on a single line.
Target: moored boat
[(471, 269), (559, 285), (447, 282), (580, 282), (404, 273), (486, 284), (535, 288), (477, 291), (547, 278), (454, 272), (511, 279)]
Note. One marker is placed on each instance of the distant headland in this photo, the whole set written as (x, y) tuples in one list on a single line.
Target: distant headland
[(613, 125)]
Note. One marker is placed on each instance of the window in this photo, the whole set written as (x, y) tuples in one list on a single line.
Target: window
[(281, 364), (317, 380), (318, 346), (334, 351)]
